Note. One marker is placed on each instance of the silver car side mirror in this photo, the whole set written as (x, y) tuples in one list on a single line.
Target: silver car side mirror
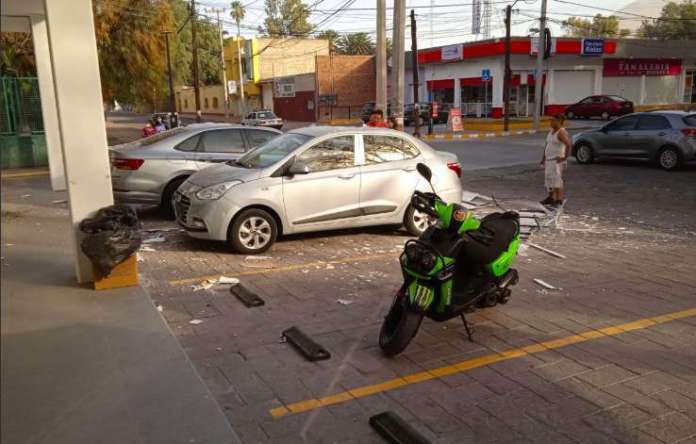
[(298, 167)]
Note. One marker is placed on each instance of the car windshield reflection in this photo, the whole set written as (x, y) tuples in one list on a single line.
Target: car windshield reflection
[(272, 151)]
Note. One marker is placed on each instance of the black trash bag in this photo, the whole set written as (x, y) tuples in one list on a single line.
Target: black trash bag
[(111, 236)]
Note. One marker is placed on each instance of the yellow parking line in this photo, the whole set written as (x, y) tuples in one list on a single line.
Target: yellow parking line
[(360, 392), (24, 174), (305, 265)]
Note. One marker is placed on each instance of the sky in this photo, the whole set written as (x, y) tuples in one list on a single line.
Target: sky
[(438, 22)]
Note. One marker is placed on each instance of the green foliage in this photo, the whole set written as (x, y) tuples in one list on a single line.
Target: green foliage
[(131, 45), (238, 12), (16, 55), (286, 18), (677, 22), (358, 43), (330, 35), (599, 26)]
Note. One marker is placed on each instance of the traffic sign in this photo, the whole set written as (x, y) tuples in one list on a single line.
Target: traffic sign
[(486, 74)]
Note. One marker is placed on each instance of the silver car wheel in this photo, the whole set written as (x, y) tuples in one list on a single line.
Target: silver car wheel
[(668, 159), (255, 233), (422, 221), (584, 154)]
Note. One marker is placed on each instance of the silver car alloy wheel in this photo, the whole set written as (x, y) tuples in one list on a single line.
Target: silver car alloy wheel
[(584, 153), (668, 159), (255, 233), (422, 221)]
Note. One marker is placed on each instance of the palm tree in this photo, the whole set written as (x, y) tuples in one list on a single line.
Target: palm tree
[(358, 43), (238, 12)]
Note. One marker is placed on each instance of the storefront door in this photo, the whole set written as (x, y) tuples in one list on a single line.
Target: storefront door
[(690, 87)]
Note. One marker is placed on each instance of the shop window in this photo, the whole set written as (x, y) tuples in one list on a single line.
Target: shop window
[(215, 102), (186, 103), (205, 103)]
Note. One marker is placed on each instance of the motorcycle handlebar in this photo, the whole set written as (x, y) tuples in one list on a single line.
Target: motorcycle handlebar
[(425, 202)]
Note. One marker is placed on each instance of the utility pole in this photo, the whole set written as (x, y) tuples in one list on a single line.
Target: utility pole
[(381, 58), (194, 49), (539, 79), (414, 69), (398, 62), (507, 75), (242, 103), (172, 108), (217, 12)]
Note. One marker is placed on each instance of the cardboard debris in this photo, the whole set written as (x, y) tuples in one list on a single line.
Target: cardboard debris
[(544, 284), (546, 250)]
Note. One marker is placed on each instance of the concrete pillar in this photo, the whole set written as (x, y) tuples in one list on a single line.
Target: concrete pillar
[(381, 57), (49, 108), (77, 85), (642, 90), (549, 88), (598, 77), (495, 91)]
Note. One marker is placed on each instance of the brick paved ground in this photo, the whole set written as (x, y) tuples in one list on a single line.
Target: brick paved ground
[(629, 234)]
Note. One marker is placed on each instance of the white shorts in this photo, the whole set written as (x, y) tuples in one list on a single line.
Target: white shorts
[(553, 174)]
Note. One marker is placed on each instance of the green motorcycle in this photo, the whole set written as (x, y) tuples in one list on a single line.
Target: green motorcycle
[(458, 265)]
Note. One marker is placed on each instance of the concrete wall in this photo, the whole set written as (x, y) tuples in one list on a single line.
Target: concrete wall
[(288, 57), (352, 77), (212, 96)]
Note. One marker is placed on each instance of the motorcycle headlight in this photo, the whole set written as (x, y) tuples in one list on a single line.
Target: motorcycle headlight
[(216, 191)]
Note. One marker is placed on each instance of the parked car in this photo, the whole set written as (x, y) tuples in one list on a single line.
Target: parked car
[(263, 118), (367, 109), (605, 107), (665, 137), (311, 179), (148, 171)]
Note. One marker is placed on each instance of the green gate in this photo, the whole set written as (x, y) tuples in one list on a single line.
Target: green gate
[(22, 141)]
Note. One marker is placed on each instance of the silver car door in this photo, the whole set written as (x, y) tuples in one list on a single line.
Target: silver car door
[(615, 139), (388, 174), (329, 193), (650, 135), (220, 145)]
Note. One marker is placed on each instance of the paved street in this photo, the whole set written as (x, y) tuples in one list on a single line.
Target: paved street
[(609, 356)]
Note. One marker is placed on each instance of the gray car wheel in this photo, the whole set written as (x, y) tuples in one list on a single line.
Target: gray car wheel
[(669, 159), (253, 231), (416, 222), (584, 154)]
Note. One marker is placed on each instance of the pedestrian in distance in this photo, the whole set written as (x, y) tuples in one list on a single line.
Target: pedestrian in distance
[(554, 161), (148, 129), (159, 125), (377, 119)]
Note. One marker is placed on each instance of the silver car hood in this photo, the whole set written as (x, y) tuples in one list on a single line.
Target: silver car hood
[(223, 172)]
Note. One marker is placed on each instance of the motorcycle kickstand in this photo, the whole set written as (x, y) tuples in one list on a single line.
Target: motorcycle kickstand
[(466, 326)]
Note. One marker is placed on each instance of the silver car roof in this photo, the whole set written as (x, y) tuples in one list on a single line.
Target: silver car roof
[(322, 130)]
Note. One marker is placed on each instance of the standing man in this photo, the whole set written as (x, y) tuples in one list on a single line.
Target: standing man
[(377, 119), (554, 161)]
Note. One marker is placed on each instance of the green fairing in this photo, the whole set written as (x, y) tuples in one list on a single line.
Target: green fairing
[(502, 264), (444, 212), (470, 223)]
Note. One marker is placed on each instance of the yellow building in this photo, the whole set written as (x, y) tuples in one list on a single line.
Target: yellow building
[(263, 61)]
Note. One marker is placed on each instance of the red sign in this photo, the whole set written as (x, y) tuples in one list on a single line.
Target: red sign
[(455, 120), (435, 110), (640, 67)]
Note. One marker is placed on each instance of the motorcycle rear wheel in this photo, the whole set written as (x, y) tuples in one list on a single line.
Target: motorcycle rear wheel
[(399, 327)]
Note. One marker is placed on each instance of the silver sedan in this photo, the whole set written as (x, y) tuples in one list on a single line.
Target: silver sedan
[(148, 171), (311, 179)]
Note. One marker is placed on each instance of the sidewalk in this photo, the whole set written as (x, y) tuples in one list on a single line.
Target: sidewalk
[(80, 366)]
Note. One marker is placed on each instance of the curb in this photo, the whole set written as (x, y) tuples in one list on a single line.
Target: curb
[(458, 136)]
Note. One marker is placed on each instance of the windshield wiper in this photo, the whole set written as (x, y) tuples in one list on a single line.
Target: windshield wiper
[(238, 163)]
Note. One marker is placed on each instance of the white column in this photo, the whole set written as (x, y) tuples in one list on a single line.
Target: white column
[(80, 114), (549, 87), (642, 89), (495, 91), (598, 77), (457, 93), (49, 108)]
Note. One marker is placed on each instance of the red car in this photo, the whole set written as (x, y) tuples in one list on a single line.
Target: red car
[(600, 106)]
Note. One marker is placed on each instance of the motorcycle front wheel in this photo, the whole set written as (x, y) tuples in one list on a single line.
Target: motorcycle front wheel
[(399, 326)]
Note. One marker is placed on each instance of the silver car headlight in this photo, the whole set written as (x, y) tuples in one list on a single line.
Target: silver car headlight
[(216, 191)]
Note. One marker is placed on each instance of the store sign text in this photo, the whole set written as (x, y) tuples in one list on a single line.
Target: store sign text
[(641, 67)]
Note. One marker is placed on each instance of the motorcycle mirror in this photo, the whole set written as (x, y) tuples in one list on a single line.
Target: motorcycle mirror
[(424, 171)]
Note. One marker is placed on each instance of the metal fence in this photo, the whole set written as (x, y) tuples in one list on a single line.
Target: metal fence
[(20, 106)]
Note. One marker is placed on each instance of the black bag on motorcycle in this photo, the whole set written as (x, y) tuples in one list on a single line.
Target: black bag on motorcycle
[(111, 236)]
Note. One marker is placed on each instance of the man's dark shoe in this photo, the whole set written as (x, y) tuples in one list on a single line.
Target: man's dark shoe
[(547, 201)]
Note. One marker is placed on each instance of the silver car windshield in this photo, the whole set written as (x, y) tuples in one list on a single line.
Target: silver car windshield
[(272, 151)]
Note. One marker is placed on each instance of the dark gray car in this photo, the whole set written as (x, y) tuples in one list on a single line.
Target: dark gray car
[(667, 138)]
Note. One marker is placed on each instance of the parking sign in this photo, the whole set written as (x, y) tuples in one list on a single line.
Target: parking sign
[(485, 74)]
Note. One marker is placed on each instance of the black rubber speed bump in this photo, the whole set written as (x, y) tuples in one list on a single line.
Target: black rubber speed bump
[(248, 297), (395, 430), (306, 346)]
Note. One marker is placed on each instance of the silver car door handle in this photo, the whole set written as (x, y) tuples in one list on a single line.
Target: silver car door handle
[(346, 176)]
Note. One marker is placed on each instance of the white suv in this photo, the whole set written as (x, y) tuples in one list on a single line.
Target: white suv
[(263, 118)]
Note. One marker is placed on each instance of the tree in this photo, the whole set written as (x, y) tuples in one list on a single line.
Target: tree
[(16, 55), (332, 36), (358, 43), (238, 12), (676, 22), (599, 26), (286, 18)]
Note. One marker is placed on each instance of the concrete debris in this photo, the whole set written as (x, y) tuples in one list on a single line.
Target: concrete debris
[(160, 308), (227, 280), (546, 250), (161, 230), (25, 196), (258, 258), (155, 239), (344, 301), (205, 285), (59, 201), (146, 248), (209, 283), (139, 257), (544, 284), (195, 321)]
